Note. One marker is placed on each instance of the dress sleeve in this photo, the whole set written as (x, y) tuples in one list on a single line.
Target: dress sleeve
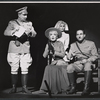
[(66, 44), (46, 51), (60, 53)]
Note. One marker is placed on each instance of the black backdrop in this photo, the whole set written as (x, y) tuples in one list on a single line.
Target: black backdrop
[(43, 16)]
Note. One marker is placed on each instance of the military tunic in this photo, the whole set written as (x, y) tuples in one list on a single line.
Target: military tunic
[(21, 53), (90, 51)]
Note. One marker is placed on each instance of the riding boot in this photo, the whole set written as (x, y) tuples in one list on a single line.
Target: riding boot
[(72, 80), (24, 79), (14, 78), (88, 76)]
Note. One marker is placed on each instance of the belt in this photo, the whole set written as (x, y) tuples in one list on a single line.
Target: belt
[(21, 39), (57, 58), (79, 59)]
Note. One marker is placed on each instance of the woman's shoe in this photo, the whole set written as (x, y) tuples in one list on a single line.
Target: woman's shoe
[(39, 92)]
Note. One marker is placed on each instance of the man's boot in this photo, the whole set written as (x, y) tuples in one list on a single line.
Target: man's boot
[(14, 78), (88, 76), (24, 79), (72, 80)]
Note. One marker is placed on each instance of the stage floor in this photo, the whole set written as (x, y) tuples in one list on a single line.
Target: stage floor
[(19, 94)]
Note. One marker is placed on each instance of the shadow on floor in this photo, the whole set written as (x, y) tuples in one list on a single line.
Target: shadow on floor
[(19, 94)]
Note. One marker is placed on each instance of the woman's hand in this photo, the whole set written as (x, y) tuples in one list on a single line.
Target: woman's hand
[(84, 61), (78, 62)]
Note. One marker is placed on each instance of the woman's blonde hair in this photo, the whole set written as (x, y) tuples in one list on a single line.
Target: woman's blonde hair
[(62, 22)]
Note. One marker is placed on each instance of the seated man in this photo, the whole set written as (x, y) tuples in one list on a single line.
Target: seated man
[(85, 54)]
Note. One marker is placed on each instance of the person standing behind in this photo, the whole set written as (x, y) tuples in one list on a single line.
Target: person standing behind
[(19, 48), (63, 27)]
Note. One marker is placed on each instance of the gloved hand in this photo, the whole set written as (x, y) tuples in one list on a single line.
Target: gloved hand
[(84, 61), (17, 43)]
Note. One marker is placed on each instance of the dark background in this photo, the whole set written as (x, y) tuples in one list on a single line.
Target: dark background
[(44, 15)]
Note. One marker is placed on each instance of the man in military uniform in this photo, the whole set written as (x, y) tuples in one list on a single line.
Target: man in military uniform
[(19, 48), (85, 54)]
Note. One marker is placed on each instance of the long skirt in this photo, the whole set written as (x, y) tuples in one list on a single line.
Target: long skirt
[(56, 77)]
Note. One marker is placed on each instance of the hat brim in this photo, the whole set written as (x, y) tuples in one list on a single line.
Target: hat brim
[(53, 29)]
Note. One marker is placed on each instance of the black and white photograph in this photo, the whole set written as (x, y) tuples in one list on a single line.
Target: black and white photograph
[(49, 50)]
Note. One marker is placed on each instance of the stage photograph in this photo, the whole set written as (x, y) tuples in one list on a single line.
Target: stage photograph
[(49, 50)]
